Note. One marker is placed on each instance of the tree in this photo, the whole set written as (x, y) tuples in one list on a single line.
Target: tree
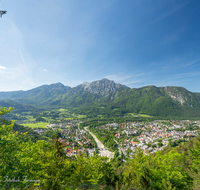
[(39, 118), (129, 151), (51, 134), (122, 155), (92, 170), (115, 154), (81, 126), (96, 152), (58, 147), (9, 147), (46, 162), (160, 144)]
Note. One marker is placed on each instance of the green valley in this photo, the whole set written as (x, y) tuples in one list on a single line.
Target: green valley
[(100, 135), (107, 99)]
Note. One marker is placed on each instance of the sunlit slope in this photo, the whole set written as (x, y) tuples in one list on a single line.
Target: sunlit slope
[(17, 106), (104, 97), (159, 101), (36, 96)]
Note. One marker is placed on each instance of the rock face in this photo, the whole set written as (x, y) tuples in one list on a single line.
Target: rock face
[(103, 87), (178, 95)]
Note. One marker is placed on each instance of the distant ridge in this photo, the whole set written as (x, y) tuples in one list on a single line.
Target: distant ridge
[(116, 99), (48, 89)]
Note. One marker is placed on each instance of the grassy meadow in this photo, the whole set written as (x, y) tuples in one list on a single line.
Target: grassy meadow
[(36, 125)]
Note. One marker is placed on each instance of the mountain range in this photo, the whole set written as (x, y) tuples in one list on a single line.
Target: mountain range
[(105, 97)]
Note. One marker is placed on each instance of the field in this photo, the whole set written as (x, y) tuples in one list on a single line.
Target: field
[(35, 125), (79, 116), (138, 115), (30, 118), (62, 110)]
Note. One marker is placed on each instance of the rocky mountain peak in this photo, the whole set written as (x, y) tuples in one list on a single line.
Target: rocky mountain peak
[(103, 87)]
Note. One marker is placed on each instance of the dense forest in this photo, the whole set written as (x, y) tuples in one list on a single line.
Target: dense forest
[(105, 98), (25, 164)]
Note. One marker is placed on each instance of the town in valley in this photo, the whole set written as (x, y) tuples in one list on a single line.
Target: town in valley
[(124, 138)]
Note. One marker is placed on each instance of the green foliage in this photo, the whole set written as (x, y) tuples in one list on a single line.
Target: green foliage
[(39, 118), (115, 154), (18, 106), (160, 144), (122, 155), (149, 100), (129, 151), (89, 170), (81, 126), (174, 168), (30, 134), (9, 146), (51, 134), (96, 152)]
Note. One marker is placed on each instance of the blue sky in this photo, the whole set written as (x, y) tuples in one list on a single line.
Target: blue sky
[(133, 42)]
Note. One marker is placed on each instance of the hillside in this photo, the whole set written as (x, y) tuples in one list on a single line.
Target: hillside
[(159, 101), (37, 95), (17, 106), (105, 97)]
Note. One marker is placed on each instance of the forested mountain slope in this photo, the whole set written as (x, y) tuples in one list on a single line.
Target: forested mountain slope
[(17, 106), (37, 95), (105, 97), (159, 101)]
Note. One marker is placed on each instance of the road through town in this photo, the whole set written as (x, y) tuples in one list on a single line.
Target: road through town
[(102, 150)]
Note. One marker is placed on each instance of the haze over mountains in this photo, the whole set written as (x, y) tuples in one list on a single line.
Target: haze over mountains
[(105, 97)]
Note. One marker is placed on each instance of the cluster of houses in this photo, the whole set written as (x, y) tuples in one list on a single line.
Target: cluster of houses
[(149, 136), (156, 134), (76, 142)]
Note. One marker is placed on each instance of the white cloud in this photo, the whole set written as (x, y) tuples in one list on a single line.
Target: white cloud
[(121, 77), (170, 12), (187, 74), (191, 63), (44, 70), (2, 67), (173, 37), (133, 82), (23, 60)]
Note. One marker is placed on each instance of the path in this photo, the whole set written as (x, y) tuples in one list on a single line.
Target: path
[(103, 152)]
